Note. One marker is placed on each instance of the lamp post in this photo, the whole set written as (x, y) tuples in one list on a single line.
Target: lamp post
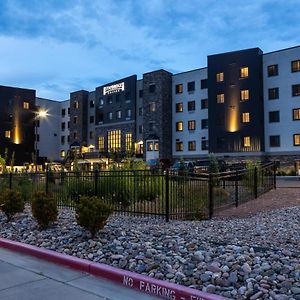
[(40, 114)]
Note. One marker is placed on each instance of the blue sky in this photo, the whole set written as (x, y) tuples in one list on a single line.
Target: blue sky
[(59, 46)]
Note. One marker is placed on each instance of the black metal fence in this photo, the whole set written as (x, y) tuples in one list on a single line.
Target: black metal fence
[(176, 195)]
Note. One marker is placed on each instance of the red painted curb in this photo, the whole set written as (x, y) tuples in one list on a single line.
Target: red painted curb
[(142, 283)]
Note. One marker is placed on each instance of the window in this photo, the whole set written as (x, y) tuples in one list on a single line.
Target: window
[(37, 137), (62, 139), (92, 119), (191, 86), (204, 145), (76, 104), (274, 116), (109, 100), (203, 84), (156, 146), (127, 96), (68, 139), (295, 66), (63, 112), (220, 77), (152, 126), (7, 134), (152, 88), (296, 90), (75, 120), (91, 135), (109, 116), (140, 111), (296, 114), (119, 114), (101, 102), (220, 98), (128, 113), (192, 125), (101, 143), (275, 141), (244, 95), (128, 141), (179, 88), (150, 146), (221, 142), (179, 146), (204, 123), (179, 107), (246, 141), (220, 119), (140, 93), (179, 126), (244, 72), (152, 107), (272, 70), (297, 139), (114, 140), (245, 117), (62, 153), (75, 135), (191, 105), (118, 98), (273, 93), (140, 129), (26, 105), (69, 110), (68, 124), (204, 103), (192, 145), (92, 103), (37, 122), (63, 126)]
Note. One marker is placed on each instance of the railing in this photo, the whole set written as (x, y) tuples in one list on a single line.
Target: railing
[(150, 193)]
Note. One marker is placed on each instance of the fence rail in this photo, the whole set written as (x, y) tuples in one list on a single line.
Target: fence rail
[(147, 193)]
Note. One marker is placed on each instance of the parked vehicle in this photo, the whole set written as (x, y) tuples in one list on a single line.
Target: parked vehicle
[(181, 166), (203, 165)]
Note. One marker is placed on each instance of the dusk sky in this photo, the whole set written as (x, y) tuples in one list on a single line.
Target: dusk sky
[(59, 46)]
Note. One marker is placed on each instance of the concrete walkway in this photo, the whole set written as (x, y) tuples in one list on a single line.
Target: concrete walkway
[(28, 278)]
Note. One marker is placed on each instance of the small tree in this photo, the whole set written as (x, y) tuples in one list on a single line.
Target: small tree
[(213, 169), (11, 202)]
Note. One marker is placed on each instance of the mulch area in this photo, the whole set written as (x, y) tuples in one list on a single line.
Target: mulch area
[(275, 199)]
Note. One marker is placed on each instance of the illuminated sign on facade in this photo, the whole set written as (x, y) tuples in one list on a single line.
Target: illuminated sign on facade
[(115, 88)]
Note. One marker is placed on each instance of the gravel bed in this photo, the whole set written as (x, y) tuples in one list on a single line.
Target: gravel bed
[(252, 258)]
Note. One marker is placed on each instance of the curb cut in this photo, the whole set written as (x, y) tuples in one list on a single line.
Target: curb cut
[(142, 283)]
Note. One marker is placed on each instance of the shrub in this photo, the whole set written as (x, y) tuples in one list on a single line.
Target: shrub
[(92, 213), (11, 202), (44, 208)]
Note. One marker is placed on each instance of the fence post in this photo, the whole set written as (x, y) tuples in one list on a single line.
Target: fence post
[(10, 180), (236, 185), (255, 182), (274, 175), (167, 195), (96, 176), (47, 181), (210, 195)]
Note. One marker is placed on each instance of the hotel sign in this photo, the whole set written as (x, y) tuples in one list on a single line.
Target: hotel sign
[(115, 88)]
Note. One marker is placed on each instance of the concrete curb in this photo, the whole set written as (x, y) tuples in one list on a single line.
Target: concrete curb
[(142, 283)]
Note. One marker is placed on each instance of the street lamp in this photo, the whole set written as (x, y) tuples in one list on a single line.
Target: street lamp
[(40, 114)]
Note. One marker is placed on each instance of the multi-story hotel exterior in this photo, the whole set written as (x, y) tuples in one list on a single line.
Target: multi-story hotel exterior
[(243, 104)]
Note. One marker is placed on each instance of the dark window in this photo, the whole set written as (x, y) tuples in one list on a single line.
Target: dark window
[(151, 126), (92, 119), (62, 139), (272, 70), (76, 104), (204, 123), (179, 88), (296, 114), (37, 122), (273, 93), (179, 146), (204, 145), (140, 111), (118, 98), (75, 135), (91, 134), (204, 103), (109, 100), (274, 140), (274, 116), (68, 110), (152, 88), (140, 93), (296, 90), (75, 120), (220, 142), (101, 102), (179, 107), (100, 117), (140, 129), (191, 86), (203, 84), (220, 120), (295, 66), (92, 103), (68, 139), (63, 126), (192, 125), (192, 145), (191, 105), (63, 112), (68, 124), (127, 96), (37, 137)]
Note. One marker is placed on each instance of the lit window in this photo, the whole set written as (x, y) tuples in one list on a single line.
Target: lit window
[(245, 117), (76, 105), (244, 95), (101, 143), (150, 146), (152, 107), (191, 105), (296, 114), (179, 126), (114, 140), (297, 139), (246, 141), (101, 102), (119, 114), (220, 98), (156, 146), (296, 66), (220, 77), (179, 107), (7, 134), (26, 105), (192, 145), (192, 125), (244, 72), (272, 70), (179, 88), (179, 146), (92, 103), (128, 140), (62, 153)]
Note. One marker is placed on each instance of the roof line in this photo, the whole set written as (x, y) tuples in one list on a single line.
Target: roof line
[(198, 69), (285, 49)]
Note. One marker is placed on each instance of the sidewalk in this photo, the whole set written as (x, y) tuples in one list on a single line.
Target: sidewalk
[(28, 278)]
